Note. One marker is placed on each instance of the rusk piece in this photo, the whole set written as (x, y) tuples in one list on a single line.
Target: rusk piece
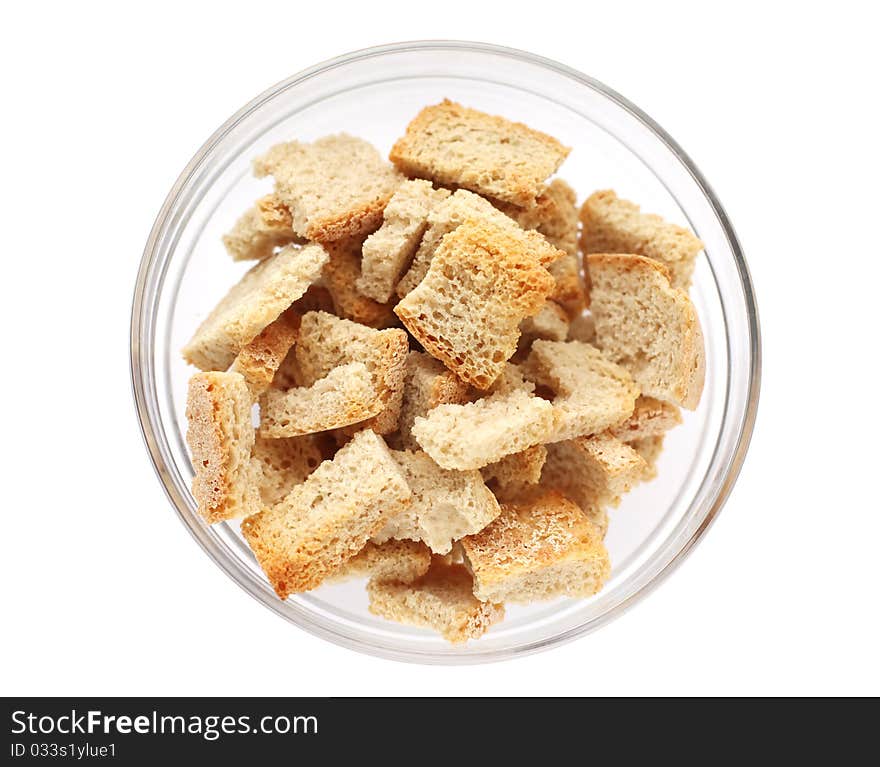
[(516, 473), (649, 448), (550, 323), (582, 328), (591, 393), (259, 360), (401, 561), (220, 436), (341, 275), (326, 520), (261, 229), (284, 463), (445, 505), (650, 418), (258, 299), (613, 225), (467, 310), (335, 187), (537, 549), (648, 327), (388, 252), (457, 146), (442, 599)]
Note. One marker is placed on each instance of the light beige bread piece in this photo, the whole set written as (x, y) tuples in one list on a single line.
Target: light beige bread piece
[(582, 328), (445, 505), (613, 225), (401, 561), (326, 342), (457, 146), (648, 327), (516, 473), (259, 360), (284, 463), (478, 433), (649, 448), (427, 383), (461, 207), (442, 599), (467, 310), (341, 274), (537, 549), (591, 393), (550, 323), (220, 436), (346, 395), (326, 520), (335, 187), (650, 418), (261, 229), (388, 252), (258, 299)]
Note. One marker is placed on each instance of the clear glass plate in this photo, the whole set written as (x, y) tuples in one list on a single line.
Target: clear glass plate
[(373, 94)]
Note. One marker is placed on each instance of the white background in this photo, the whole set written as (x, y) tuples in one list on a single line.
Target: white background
[(103, 590)]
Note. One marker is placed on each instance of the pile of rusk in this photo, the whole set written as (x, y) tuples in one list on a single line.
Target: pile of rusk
[(438, 410)]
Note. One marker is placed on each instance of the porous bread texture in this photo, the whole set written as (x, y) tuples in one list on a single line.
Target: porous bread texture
[(427, 383), (326, 520), (334, 187), (346, 395), (648, 327), (516, 473), (512, 378), (582, 328), (259, 360), (341, 274), (537, 549), (259, 230), (591, 393), (454, 211), (388, 252), (550, 323), (284, 463), (467, 310), (457, 146), (478, 433), (649, 448), (650, 418), (256, 300), (613, 225), (445, 505), (442, 599), (401, 561), (326, 342), (220, 435)]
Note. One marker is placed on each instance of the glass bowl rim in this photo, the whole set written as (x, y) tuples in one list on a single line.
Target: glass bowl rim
[(141, 304)]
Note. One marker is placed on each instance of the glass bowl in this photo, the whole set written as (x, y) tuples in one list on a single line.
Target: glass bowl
[(373, 94)]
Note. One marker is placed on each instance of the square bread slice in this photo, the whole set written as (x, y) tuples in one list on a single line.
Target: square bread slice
[(284, 464), (261, 229), (475, 434), (220, 436), (457, 146), (516, 473), (427, 383), (401, 561), (613, 225), (335, 187), (650, 418), (591, 393), (326, 520), (258, 299), (445, 505), (454, 211), (259, 360), (326, 342), (648, 327), (341, 275), (442, 599), (649, 448), (467, 310), (388, 252), (538, 549), (346, 395)]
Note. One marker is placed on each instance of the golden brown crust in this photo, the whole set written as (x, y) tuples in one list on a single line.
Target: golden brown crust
[(401, 561), (259, 360)]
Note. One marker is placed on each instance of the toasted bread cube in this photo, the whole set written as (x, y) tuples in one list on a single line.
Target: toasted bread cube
[(259, 360), (335, 187), (649, 448), (220, 436), (442, 599), (457, 146), (650, 418), (284, 464), (261, 229), (539, 549), (258, 299), (326, 520), (582, 328), (401, 561), (516, 473), (550, 323), (341, 275)]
